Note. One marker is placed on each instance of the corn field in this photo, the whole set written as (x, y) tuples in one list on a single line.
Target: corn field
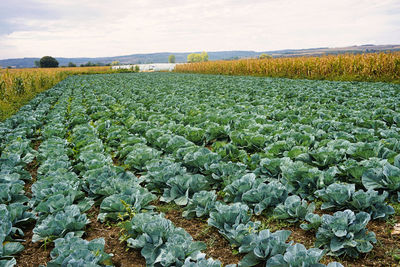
[(18, 86), (383, 67)]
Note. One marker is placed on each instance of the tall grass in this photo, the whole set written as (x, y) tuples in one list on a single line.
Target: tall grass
[(18, 86), (383, 67)]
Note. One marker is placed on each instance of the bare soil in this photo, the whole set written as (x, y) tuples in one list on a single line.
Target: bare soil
[(217, 246), (32, 168), (34, 254), (123, 257)]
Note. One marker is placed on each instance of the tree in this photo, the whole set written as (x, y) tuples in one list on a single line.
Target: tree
[(71, 65), (48, 62), (194, 58), (264, 56), (90, 64), (115, 63), (171, 59), (197, 57), (204, 56), (37, 63)]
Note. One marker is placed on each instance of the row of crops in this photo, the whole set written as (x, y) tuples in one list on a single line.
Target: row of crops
[(373, 67), (18, 86), (227, 149)]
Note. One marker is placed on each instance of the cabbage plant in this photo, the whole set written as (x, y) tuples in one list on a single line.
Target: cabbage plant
[(140, 155), (263, 245), (341, 196), (235, 191), (161, 243), (201, 261), (293, 209), (181, 187), (60, 223), (7, 246), (233, 221), (114, 207), (345, 233), (75, 251), (298, 256), (201, 204), (314, 222), (264, 196), (387, 178)]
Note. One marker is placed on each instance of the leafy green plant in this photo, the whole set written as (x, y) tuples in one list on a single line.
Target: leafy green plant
[(140, 155), (60, 223), (298, 256), (235, 190), (108, 180), (161, 243), (270, 167), (18, 213), (373, 203), (299, 178), (327, 156), (7, 246), (387, 178), (314, 222), (336, 195), (263, 245), (355, 169), (59, 202), (195, 134), (344, 233), (233, 222), (12, 189), (201, 204), (201, 261), (71, 250), (227, 151), (224, 173), (114, 206), (181, 187), (340, 196), (160, 171), (67, 184), (201, 159), (20, 148), (265, 195), (177, 142), (293, 209)]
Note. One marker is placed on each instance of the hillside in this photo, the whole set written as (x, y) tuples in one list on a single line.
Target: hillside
[(181, 57)]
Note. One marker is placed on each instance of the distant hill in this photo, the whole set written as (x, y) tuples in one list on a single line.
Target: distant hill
[(181, 57)]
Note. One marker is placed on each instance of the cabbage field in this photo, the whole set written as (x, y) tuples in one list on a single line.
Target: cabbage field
[(278, 172)]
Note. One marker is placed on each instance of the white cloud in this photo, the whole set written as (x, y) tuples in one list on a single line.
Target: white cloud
[(74, 28)]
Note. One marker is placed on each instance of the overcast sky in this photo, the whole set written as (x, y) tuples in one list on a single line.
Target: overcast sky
[(93, 28)]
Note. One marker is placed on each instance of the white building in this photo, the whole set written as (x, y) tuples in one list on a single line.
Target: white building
[(149, 67)]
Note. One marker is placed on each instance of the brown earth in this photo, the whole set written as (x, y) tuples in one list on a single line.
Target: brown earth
[(218, 247), (123, 257), (34, 254), (32, 168)]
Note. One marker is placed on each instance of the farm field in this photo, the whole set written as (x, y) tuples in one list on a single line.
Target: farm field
[(18, 86), (373, 67), (202, 170)]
